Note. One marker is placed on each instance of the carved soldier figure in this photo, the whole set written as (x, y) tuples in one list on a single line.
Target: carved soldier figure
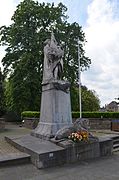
[(53, 63), (55, 110)]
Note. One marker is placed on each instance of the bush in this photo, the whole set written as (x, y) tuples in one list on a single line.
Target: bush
[(96, 114), (36, 114), (12, 117), (30, 114), (2, 113)]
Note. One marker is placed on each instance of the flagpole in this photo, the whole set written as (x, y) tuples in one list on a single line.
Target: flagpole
[(79, 78)]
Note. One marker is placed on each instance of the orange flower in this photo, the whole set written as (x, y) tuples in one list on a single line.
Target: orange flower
[(79, 136)]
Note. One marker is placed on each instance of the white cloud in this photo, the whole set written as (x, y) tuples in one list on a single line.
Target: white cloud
[(102, 34), (7, 8)]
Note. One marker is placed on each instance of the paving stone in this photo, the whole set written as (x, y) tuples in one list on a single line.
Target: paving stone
[(99, 169), (9, 154)]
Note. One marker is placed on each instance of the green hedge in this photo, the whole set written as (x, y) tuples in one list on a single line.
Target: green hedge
[(96, 114), (30, 114), (36, 114)]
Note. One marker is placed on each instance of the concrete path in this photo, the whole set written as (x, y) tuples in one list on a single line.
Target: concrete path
[(99, 169), (7, 152)]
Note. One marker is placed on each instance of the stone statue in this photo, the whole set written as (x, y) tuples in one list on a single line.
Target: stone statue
[(55, 112), (79, 125), (53, 62)]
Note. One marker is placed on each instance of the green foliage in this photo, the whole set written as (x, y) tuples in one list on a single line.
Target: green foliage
[(11, 116), (30, 114), (89, 99), (8, 95), (1, 95), (36, 114), (32, 24), (96, 114)]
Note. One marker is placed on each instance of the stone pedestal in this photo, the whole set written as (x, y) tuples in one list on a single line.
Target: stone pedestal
[(80, 151), (55, 110), (52, 153)]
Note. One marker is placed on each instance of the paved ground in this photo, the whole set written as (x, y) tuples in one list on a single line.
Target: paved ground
[(100, 169), (13, 129), (6, 150), (10, 130)]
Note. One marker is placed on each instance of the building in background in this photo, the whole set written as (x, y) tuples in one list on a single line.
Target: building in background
[(112, 107)]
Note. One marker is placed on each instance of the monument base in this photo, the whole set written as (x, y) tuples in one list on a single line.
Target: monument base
[(46, 154), (47, 130), (55, 110)]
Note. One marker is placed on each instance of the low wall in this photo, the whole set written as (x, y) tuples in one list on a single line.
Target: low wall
[(31, 123), (98, 123), (95, 123), (2, 124)]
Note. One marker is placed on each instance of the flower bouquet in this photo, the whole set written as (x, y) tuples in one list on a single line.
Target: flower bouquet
[(79, 136)]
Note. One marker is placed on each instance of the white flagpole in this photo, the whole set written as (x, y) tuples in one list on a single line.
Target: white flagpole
[(79, 78)]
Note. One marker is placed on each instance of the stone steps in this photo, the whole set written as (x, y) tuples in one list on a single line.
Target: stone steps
[(14, 159), (115, 143), (11, 156), (115, 138), (46, 154), (116, 149), (43, 153), (31, 148)]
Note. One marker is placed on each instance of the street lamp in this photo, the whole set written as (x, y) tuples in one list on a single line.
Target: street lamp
[(79, 78)]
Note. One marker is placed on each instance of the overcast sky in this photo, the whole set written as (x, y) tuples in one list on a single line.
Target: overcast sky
[(100, 22)]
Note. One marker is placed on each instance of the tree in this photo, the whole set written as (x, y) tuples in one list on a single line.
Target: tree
[(90, 100), (32, 24), (1, 94)]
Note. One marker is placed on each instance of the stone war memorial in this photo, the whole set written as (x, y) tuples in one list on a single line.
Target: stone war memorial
[(55, 102), (56, 140)]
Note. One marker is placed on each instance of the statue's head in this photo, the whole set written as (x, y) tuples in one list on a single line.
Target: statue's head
[(84, 123), (47, 41)]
